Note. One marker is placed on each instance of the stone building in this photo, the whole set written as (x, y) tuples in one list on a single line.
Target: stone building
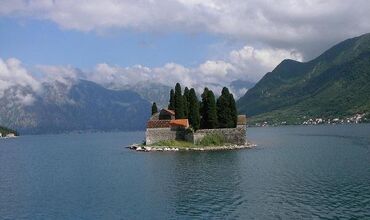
[(163, 126)]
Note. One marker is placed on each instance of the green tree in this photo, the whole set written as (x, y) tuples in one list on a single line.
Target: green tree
[(186, 110), (223, 109), (212, 111), (186, 102), (226, 110), (171, 106), (203, 108), (234, 111), (194, 117), (154, 108), (179, 102), (209, 110)]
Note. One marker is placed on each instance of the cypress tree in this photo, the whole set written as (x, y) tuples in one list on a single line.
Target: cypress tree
[(179, 103), (186, 102), (186, 110), (209, 110), (154, 108), (171, 106), (212, 111), (224, 109), (204, 108), (194, 117), (234, 111)]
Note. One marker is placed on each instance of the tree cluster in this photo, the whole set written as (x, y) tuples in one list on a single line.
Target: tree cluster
[(208, 113)]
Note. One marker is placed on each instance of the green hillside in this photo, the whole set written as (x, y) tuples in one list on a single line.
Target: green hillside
[(335, 84)]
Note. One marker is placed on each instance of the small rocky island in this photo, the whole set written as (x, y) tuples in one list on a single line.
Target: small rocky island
[(188, 124), (7, 133)]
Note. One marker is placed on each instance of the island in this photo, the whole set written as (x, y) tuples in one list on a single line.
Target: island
[(7, 133), (189, 124)]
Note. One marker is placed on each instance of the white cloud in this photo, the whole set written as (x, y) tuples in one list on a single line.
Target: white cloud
[(247, 63), (13, 74), (307, 26), (254, 63), (62, 74)]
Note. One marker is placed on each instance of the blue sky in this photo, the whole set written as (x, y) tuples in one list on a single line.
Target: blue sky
[(38, 42), (195, 42)]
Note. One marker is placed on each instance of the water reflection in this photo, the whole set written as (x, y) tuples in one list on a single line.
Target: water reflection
[(206, 185)]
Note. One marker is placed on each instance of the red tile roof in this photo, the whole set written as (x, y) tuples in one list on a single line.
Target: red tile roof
[(158, 124), (180, 122)]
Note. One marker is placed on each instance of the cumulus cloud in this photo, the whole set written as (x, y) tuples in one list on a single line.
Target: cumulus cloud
[(307, 26), (62, 74), (248, 63), (13, 74)]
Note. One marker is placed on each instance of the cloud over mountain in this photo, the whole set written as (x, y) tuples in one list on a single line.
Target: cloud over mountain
[(248, 63), (13, 74)]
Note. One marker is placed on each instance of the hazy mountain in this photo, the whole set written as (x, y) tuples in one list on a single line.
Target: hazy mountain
[(240, 87), (153, 92), (81, 105), (337, 83), (160, 93)]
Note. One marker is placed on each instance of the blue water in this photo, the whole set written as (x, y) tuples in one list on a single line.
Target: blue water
[(293, 173)]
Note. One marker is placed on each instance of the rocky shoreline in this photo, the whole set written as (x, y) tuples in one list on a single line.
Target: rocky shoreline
[(138, 147)]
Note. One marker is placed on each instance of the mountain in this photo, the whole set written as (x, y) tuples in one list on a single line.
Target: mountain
[(240, 87), (335, 84), (159, 93), (153, 92), (65, 107)]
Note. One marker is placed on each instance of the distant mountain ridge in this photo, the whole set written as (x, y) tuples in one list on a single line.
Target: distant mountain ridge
[(83, 105), (335, 84)]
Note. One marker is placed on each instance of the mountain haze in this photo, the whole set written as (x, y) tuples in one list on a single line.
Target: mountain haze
[(83, 105), (335, 84)]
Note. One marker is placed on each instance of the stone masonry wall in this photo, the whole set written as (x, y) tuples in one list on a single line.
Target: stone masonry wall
[(231, 135), (154, 135)]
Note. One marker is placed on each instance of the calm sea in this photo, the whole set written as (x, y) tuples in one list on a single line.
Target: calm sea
[(294, 173)]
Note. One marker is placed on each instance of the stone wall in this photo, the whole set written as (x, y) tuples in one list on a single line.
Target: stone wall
[(231, 135), (154, 135)]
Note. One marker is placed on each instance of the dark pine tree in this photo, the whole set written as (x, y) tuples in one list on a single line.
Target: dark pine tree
[(194, 117), (212, 111), (186, 102), (234, 111), (179, 103), (204, 109), (209, 110), (224, 109), (171, 106), (186, 110), (154, 108)]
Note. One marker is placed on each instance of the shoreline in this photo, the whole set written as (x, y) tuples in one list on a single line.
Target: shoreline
[(141, 148)]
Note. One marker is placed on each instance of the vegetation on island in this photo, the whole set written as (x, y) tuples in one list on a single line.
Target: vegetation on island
[(208, 141), (335, 85), (209, 113), (5, 131), (154, 108)]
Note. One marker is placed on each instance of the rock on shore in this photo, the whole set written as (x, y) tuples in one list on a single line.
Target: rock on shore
[(142, 148)]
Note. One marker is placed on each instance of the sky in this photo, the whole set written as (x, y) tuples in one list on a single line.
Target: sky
[(195, 42)]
